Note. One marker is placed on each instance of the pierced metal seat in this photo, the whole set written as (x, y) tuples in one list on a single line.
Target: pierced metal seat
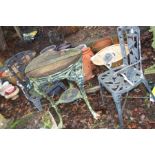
[(122, 79), (117, 82)]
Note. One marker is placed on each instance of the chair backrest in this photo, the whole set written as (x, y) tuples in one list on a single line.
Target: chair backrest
[(17, 63), (131, 36)]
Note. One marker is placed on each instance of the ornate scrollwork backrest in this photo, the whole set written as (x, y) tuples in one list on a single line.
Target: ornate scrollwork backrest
[(19, 61), (131, 35)]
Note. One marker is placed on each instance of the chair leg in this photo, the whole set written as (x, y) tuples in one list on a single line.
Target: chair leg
[(101, 92), (36, 102), (95, 115), (117, 100), (148, 88)]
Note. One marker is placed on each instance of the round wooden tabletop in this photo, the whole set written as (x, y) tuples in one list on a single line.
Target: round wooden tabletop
[(51, 62)]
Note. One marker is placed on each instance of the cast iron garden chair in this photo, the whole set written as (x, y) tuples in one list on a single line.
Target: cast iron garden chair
[(16, 65), (122, 79)]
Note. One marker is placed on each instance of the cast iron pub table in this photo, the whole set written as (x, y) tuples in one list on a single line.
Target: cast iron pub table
[(52, 66)]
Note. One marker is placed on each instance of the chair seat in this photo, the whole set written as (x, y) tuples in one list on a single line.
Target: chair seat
[(116, 83)]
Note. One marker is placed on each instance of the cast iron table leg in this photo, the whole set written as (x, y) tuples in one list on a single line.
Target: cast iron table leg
[(83, 93)]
